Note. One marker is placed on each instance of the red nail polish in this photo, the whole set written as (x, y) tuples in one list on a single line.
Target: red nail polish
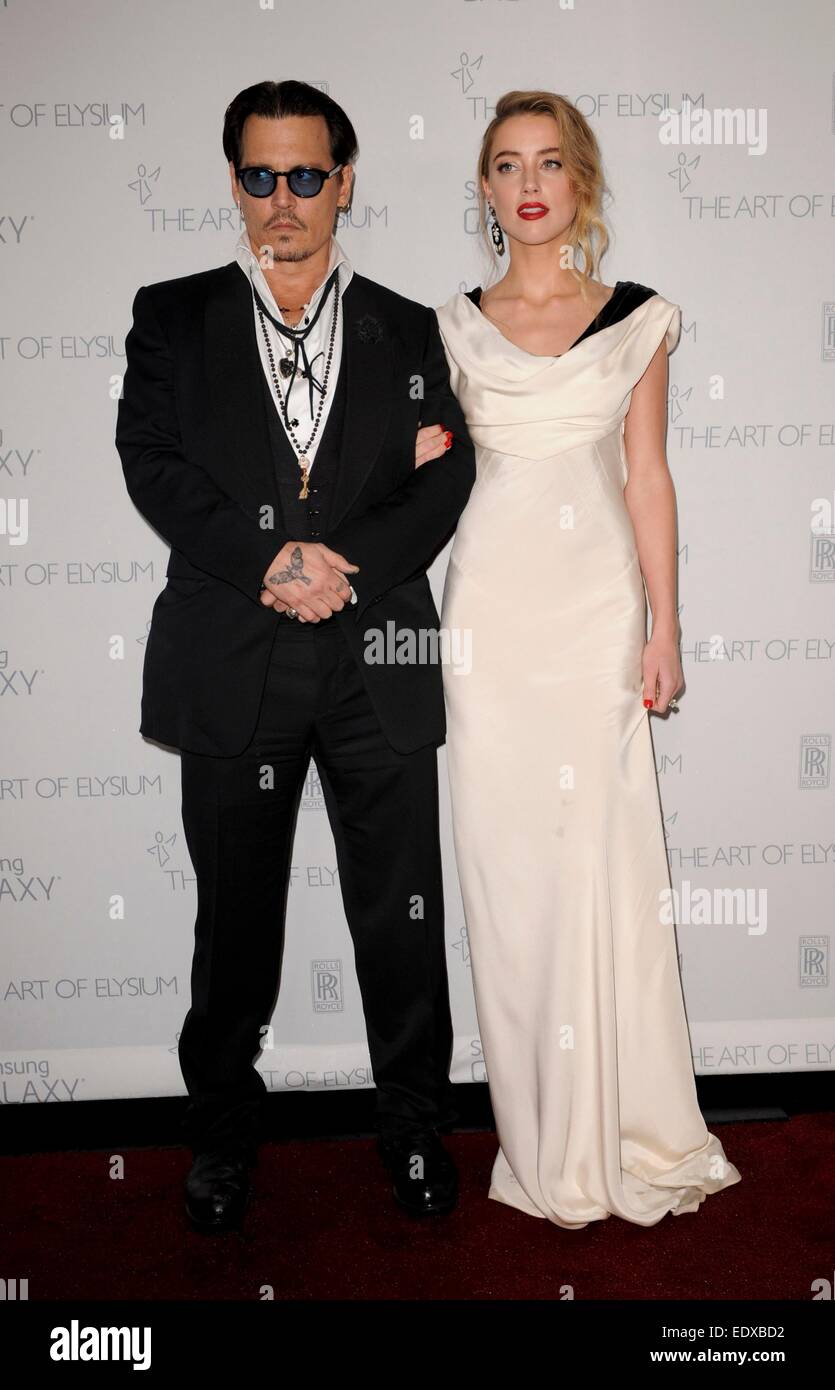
[(448, 439), (647, 704)]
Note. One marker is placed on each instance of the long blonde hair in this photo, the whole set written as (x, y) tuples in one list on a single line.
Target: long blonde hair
[(582, 160)]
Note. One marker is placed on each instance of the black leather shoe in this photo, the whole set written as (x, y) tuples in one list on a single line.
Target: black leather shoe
[(425, 1179), (217, 1189)]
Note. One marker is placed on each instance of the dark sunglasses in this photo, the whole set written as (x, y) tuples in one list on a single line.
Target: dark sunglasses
[(260, 182)]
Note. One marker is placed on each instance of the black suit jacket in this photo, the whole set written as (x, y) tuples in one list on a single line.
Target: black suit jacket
[(192, 435)]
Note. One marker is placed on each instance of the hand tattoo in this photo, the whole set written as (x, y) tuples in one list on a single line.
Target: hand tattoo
[(295, 572)]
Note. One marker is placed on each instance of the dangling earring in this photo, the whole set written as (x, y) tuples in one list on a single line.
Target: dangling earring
[(496, 231)]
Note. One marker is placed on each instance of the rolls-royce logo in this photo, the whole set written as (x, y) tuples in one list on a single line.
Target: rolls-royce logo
[(326, 978), (814, 962), (822, 558), (828, 332), (815, 761), (312, 798)]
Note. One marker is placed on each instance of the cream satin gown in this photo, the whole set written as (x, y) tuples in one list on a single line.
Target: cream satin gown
[(556, 817)]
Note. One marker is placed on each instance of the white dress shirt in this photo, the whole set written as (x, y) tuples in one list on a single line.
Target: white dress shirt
[(316, 344), (297, 393)]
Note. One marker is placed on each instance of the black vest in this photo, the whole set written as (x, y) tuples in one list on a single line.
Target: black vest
[(306, 519)]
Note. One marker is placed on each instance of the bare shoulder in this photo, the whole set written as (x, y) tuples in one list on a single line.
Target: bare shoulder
[(493, 295), (600, 294)]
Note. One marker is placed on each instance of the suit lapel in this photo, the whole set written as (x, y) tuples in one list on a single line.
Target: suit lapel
[(233, 369), (369, 387), (236, 396)]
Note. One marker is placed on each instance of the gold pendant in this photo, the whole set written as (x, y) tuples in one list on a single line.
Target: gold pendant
[(303, 463)]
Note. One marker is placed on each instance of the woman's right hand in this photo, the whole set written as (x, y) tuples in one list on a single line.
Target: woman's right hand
[(431, 442)]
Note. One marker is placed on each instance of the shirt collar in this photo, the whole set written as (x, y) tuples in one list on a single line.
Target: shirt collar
[(248, 262)]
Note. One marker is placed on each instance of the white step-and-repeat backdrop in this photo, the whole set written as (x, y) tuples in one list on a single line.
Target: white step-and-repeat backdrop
[(110, 124)]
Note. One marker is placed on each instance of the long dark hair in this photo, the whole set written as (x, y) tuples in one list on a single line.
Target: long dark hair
[(288, 99)]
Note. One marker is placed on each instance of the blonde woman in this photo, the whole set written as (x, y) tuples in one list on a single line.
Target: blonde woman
[(557, 824)]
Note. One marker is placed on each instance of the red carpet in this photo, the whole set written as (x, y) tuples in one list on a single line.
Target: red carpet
[(322, 1225)]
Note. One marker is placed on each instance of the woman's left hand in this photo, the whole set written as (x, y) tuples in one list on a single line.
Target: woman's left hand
[(663, 676)]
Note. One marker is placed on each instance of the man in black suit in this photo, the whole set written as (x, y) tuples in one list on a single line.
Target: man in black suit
[(267, 431)]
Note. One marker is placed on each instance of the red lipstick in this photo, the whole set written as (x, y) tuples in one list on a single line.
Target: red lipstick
[(532, 211)]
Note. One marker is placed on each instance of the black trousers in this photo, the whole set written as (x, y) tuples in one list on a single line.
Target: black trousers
[(383, 810)]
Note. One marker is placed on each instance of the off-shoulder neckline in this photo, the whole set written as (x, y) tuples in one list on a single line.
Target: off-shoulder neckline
[(602, 319)]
